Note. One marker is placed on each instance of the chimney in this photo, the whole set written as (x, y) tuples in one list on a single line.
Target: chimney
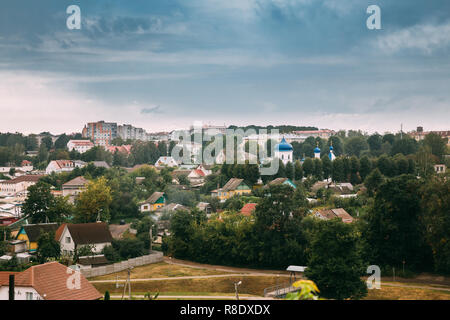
[(11, 287)]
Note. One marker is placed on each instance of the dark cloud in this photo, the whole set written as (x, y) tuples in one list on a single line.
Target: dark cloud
[(156, 109)]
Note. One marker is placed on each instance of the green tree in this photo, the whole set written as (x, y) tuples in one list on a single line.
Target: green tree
[(354, 170), (355, 145), (318, 172), (365, 167), (338, 170), (308, 167), (435, 205), (386, 166), (373, 181), (394, 231), (436, 144), (404, 146), (61, 142), (94, 200), (375, 141), (290, 171), (48, 247), (335, 264), (327, 167), (38, 202), (43, 153), (47, 142), (298, 171)]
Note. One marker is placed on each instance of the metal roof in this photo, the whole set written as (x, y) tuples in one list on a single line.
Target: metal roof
[(296, 268)]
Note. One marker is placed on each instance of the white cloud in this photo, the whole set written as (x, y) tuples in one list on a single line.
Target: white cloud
[(425, 38)]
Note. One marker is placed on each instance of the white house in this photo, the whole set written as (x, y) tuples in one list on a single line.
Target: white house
[(80, 146), (74, 187), (18, 185), (440, 168), (48, 281), (166, 161), (59, 166), (75, 236)]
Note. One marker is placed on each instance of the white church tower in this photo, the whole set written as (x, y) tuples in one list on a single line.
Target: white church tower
[(331, 154), (317, 152), (284, 151)]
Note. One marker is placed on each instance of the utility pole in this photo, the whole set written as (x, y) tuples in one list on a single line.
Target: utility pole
[(11, 287), (151, 237), (127, 283), (236, 284)]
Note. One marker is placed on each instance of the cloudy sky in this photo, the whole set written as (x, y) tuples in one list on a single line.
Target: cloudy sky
[(162, 64)]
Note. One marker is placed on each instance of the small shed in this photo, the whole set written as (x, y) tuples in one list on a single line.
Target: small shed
[(93, 261), (23, 257), (5, 259), (17, 246), (294, 270)]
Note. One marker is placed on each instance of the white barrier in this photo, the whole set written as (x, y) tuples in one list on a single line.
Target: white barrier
[(155, 257)]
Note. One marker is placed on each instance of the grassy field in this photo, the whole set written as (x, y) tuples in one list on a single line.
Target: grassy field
[(255, 286), (159, 270), (251, 285), (396, 293), (221, 286)]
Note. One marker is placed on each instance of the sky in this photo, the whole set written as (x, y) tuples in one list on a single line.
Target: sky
[(163, 64)]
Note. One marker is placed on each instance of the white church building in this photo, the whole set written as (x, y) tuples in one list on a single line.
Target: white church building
[(284, 151)]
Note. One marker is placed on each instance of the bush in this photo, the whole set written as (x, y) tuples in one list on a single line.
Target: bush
[(124, 249)]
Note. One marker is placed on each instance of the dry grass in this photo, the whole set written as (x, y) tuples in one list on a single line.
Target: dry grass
[(255, 286), (159, 270), (397, 293), (250, 285)]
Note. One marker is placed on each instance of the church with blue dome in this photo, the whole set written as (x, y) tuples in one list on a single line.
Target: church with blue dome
[(331, 155), (284, 151)]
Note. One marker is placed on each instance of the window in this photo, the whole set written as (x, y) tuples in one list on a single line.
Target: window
[(29, 295), (67, 239)]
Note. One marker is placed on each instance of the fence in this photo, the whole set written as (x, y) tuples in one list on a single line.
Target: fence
[(123, 265), (280, 290)]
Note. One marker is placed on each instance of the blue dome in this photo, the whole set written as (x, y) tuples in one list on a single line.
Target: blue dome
[(331, 148), (284, 146), (317, 150)]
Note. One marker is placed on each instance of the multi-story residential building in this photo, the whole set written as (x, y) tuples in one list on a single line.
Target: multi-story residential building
[(101, 132), (80, 146), (41, 136), (159, 136), (127, 131), (18, 185), (323, 133)]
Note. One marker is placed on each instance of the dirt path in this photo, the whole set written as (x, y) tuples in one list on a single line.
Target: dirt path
[(199, 297), (192, 277), (191, 264), (414, 287)]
